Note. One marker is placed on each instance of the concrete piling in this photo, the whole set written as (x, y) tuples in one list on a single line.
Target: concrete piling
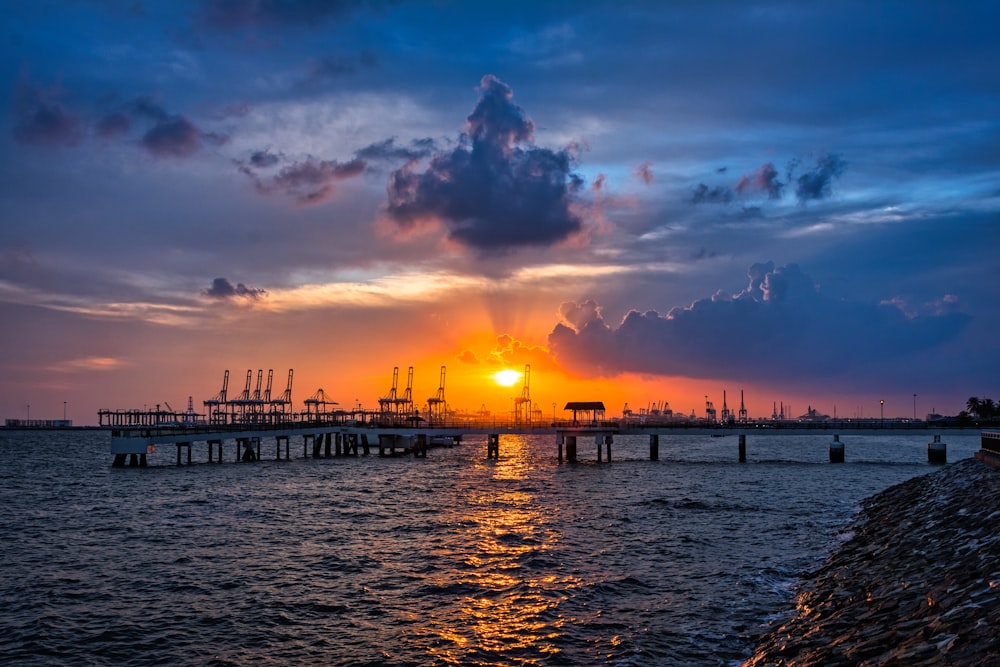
[(937, 451), (571, 448), (743, 447), (654, 447), (836, 450)]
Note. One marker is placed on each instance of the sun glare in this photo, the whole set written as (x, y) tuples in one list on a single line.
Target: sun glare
[(506, 378)]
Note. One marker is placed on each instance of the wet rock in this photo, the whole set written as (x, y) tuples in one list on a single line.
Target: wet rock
[(918, 583)]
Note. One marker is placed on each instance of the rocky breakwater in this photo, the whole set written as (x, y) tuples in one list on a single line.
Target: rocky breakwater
[(916, 583)]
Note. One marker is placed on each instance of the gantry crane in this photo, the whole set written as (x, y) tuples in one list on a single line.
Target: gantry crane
[(316, 405), (404, 405), (522, 404), (436, 405), (216, 406), (284, 402), (239, 405), (387, 403)]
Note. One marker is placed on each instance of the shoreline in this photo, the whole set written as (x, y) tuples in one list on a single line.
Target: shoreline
[(916, 582)]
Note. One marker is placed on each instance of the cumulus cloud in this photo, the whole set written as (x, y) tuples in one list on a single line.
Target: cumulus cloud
[(780, 327), (495, 191), (510, 351), (223, 289), (468, 357), (40, 117)]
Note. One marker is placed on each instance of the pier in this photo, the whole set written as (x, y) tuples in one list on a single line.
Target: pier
[(135, 435)]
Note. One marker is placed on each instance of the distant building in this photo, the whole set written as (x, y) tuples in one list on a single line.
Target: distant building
[(38, 423), (812, 415)]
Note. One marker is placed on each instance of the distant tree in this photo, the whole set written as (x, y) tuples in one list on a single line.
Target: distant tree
[(963, 416), (973, 405), (987, 409)]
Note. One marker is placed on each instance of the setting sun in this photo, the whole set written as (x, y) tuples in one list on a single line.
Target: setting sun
[(506, 378)]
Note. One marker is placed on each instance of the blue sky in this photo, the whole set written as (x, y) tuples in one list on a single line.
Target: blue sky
[(644, 200)]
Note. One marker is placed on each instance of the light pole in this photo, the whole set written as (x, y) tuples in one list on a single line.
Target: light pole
[(881, 407), (914, 407), (553, 414), (64, 410)]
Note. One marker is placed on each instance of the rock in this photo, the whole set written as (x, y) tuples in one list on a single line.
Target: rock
[(917, 583)]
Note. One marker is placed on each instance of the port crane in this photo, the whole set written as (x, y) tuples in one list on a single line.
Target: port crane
[(522, 404), (216, 405), (436, 405), (386, 402), (392, 405), (284, 402), (316, 405)]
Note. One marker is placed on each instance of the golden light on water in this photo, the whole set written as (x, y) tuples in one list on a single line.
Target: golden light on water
[(513, 615)]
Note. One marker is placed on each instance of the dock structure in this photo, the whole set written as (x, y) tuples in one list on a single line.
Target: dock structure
[(137, 434), (396, 427)]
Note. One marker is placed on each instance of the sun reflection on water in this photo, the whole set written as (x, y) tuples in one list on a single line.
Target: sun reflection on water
[(509, 596)]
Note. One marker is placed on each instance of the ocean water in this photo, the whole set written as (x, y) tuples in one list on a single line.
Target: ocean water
[(449, 560)]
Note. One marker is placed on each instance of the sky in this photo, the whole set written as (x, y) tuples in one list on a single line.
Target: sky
[(644, 202)]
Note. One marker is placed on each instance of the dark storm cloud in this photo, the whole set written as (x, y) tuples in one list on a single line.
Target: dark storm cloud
[(816, 184), (495, 191), (41, 119), (223, 289), (781, 326), (236, 14)]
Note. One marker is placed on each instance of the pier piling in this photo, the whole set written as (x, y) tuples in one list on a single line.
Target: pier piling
[(937, 451), (493, 446), (743, 447), (836, 450), (571, 448), (654, 447)]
